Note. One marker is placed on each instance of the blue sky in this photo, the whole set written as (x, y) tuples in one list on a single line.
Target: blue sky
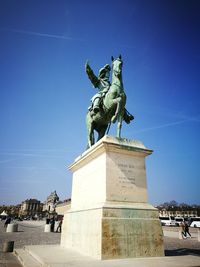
[(44, 91)]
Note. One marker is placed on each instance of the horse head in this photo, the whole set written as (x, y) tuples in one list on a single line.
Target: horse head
[(117, 66)]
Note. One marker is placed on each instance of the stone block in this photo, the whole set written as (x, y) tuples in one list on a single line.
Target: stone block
[(110, 216)]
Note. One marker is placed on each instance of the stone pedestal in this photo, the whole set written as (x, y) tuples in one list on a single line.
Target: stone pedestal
[(110, 216)]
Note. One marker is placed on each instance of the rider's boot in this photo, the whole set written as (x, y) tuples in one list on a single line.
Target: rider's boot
[(114, 118)]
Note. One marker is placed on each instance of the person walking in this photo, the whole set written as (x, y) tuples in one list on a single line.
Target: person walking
[(7, 221), (183, 230), (52, 223), (187, 230), (59, 228)]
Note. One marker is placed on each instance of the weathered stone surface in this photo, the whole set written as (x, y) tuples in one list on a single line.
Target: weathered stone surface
[(132, 233), (82, 231), (110, 216), (114, 233)]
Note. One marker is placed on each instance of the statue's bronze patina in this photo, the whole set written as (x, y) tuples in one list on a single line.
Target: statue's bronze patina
[(108, 105)]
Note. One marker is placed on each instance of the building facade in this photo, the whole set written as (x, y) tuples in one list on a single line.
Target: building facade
[(63, 207), (50, 204), (178, 213), (30, 207)]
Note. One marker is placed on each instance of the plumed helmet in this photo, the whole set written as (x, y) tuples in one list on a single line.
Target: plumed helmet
[(107, 67), (103, 70)]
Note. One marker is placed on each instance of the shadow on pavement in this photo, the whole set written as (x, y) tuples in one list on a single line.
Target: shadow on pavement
[(182, 252)]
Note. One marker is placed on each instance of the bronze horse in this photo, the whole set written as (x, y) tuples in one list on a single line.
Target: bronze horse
[(112, 107)]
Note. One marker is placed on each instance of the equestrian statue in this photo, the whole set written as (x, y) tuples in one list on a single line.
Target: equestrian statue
[(108, 105)]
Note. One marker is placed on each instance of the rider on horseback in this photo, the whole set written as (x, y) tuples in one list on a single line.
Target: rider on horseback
[(101, 82), (108, 105)]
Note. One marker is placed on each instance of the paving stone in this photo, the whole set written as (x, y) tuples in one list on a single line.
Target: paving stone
[(32, 233)]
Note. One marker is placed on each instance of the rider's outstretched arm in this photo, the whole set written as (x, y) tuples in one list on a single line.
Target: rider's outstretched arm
[(93, 78)]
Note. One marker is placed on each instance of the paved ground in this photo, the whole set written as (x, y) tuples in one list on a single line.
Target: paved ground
[(32, 233), (29, 233), (175, 246)]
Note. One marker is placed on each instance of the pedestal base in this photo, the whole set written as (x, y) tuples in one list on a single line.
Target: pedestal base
[(110, 216), (114, 232)]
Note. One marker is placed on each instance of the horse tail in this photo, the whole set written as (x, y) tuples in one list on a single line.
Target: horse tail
[(128, 117)]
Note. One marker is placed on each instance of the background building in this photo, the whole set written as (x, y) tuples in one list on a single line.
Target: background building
[(178, 213), (31, 208), (175, 209), (63, 207), (50, 204)]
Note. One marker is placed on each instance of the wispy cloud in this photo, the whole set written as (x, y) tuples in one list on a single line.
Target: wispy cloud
[(166, 125), (41, 153), (16, 181), (38, 150), (30, 168), (42, 34), (29, 155), (5, 161), (166, 112)]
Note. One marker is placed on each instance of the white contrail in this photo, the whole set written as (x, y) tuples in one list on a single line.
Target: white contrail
[(5, 161), (42, 34), (29, 155), (165, 125), (31, 168), (167, 113)]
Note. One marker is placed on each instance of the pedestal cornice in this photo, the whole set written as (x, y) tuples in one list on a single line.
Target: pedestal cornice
[(111, 144)]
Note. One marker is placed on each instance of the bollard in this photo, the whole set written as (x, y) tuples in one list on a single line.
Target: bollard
[(12, 227), (8, 246), (198, 235), (47, 228)]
